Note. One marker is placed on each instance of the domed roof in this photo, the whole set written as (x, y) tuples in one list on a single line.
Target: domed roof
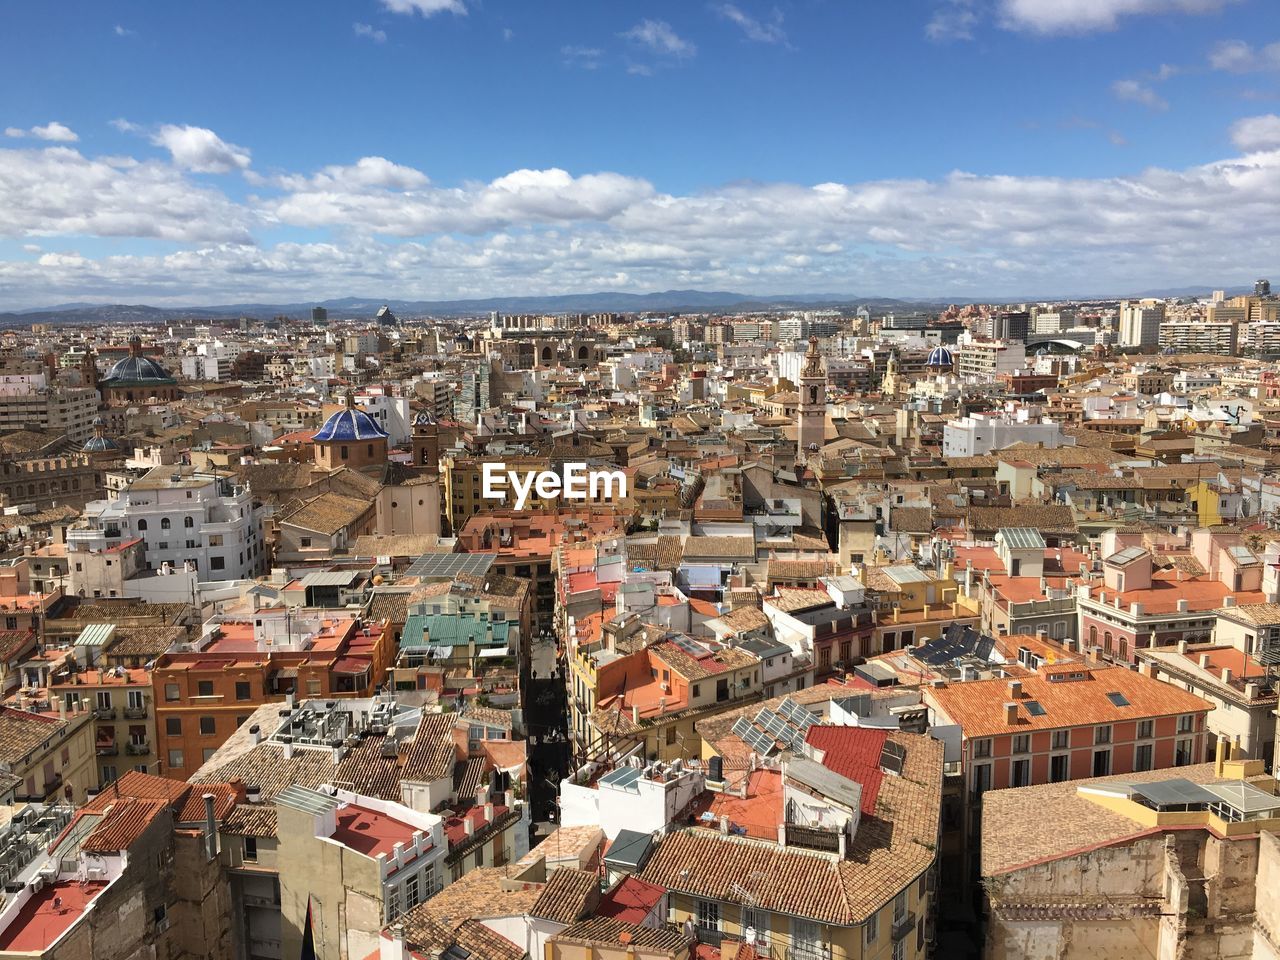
[(940, 357), (350, 424), (135, 368), (424, 419), (100, 445)]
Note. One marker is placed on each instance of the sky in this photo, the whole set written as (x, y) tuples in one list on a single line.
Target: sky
[(206, 152)]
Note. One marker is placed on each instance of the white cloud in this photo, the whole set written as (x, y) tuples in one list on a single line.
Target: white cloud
[(427, 8), (1237, 56), (761, 31), (1082, 16), (380, 224), (953, 20), (56, 191), (124, 31), (588, 58), (370, 31), (1257, 133), (53, 131), (200, 150), (658, 37), (1135, 91)]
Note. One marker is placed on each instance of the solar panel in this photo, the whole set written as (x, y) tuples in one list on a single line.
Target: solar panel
[(1035, 708), (772, 722), (446, 566), (761, 742), (891, 762), (1117, 699), (690, 646), (1177, 792), (623, 778), (742, 727), (794, 712)]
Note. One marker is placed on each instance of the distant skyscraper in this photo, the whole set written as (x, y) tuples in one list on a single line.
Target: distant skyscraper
[(1262, 288), (1011, 325), (319, 315)]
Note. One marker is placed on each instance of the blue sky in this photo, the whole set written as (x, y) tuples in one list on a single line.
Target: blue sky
[(199, 152)]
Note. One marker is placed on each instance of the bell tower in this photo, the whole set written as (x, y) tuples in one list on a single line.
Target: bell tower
[(426, 443), (811, 412)]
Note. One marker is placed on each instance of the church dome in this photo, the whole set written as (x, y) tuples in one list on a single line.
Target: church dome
[(349, 424), (99, 443), (940, 357), (135, 368), (424, 419)]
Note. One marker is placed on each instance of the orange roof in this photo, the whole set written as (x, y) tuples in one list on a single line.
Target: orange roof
[(979, 705), (1201, 593)]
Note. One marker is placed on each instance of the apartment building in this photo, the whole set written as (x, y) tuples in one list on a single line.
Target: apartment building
[(1140, 324), (1199, 336), (985, 361), (184, 517), (30, 402), (47, 751)]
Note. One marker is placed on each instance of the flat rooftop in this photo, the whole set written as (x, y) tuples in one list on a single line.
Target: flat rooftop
[(47, 916), (369, 831)]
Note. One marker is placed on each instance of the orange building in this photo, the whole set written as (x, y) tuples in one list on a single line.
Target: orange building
[(201, 697)]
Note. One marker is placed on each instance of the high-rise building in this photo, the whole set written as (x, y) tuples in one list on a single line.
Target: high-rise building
[(1262, 288), (319, 315), (1011, 325), (1140, 324)]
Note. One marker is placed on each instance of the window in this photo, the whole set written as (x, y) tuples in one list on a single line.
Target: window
[(108, 774), (1142, 757), (1102, 734), (873, 928), (1101, 763), (1118, 699), (1061, 739), (671, 734), (207, 754), (251, 848), (697, 691), (208, 727), (176, 761), (806, 940), (313, 688), (1187, 723), (709, 914), (899, 950), (164, 523), (900, 907), (982, 778), (982, 748), (411, 892), (104, 699), (393, 903), (1183, 752), (1020, 773), (1059, 768), (1022, 743), (136, 700), (1145, 729), (242, 690), (305, 541), (142, 525), (173, 726), (172, 692), (217, 563), (204, 688)]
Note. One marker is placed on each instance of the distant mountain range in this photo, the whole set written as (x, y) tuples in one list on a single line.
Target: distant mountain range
[(603, 302)]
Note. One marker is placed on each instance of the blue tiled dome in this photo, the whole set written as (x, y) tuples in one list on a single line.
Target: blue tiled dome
[(350, 424), (138, 369), (424, 419), (940, 357), (100, 445)]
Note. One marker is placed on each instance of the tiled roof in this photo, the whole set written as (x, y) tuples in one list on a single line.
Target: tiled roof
[(890, 850), (22, 732), (121, 824), (1258, 614), (432, 753), (326, 513), (606, 930), (1011, 839), (251, 820), (978, 705), (568, 895)]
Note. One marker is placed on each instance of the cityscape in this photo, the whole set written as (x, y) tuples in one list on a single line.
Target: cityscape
[(669, 481)]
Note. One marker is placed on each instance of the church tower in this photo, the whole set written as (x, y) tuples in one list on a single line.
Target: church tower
[(811, 412)]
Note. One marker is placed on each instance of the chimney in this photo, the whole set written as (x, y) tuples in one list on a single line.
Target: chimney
[(1010, 713), (468, 826), (288, 747), (1015, 689), (252, 793), (1229, 600), (1182, 647), (255, 734), (488, 813), (1226, 675), (1184, 606), (1221, 756), (635, 714), (1204, 661), (210, 828), (724, 823), (1135, 609), (1251, 691)]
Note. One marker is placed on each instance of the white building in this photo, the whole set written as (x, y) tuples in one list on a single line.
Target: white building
[(1140, 323), (983, 361), (980, 433), (183, 516)]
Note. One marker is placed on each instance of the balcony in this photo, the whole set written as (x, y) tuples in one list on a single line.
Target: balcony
[(105, 713), (266, 903), (135, 749), (904, 926), (52, 786), (826, 839), (108, 750), (707, 935), (135, 713)]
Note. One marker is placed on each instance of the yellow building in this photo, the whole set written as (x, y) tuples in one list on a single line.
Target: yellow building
[(48, 757)]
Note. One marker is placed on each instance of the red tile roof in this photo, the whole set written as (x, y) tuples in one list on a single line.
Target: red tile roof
[(853, 752)]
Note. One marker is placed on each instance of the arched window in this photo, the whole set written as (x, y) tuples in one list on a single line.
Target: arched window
[(1093, 636), (164, 523), (142, 525), (188, 522), (1106, 641)]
